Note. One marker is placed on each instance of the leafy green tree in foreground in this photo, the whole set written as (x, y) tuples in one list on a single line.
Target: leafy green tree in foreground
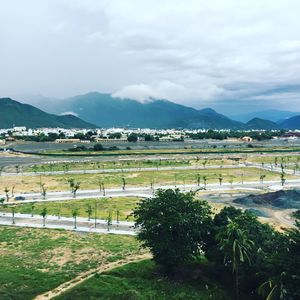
[(236, 248), (173, 226)]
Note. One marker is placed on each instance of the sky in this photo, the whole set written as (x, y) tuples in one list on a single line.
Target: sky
[(232, 55)]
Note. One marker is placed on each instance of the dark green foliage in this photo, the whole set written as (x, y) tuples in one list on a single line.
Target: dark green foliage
[(133, 137), (173, 226)]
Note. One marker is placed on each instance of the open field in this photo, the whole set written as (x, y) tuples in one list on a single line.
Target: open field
[(34, 261), (124, 163), (141, 281), (124, 206), (135, 179)]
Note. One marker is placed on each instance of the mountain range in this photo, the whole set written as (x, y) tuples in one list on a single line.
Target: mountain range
[(102, 110), (273, 115), (13, 113)]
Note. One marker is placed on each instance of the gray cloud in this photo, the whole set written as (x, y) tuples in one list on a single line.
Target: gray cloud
[(224, 54)]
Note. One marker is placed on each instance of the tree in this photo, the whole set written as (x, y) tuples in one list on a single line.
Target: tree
[(273, 288), (231, 177), (132, 137), (173, 226), (13, 210), (282, 178), (123, 183), (74, 215), (32, 209), (44, 190), (44, 214), (95, 213), (6, 191), (118, 216), (236, 248), (13, 190), (262, 177), (17, 167), (198, 179), (98, 147), (205, 180), (74, 186), (109, 221), (89, 211), (220, 178)]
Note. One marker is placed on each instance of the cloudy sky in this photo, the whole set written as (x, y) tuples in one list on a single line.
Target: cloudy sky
[(232, 55)]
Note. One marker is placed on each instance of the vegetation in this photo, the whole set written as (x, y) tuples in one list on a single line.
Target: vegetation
[(139, 280), (34, 261), (234, 241), (182, 222)]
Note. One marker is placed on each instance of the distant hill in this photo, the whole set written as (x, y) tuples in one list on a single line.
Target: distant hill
[(271, 115), (291, 123), (258, 124), (13, 113), (107, 111)]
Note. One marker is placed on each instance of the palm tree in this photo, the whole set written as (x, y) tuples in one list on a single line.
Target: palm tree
[(236, 248), (273, 288), (74, 215), (89, 211), (44, 214)]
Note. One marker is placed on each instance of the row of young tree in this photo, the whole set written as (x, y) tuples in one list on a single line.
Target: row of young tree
[(262, 262), (90, 211)]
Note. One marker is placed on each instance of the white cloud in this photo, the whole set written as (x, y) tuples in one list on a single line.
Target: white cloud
[(191, 51)]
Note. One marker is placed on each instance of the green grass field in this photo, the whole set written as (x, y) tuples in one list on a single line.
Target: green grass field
[(141, 281), (34, 261), (104, 206)]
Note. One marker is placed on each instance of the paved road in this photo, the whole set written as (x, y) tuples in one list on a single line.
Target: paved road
[(53, 222), (125, 170), (148, 192)]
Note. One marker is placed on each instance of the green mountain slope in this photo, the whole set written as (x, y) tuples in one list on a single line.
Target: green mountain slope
[(257, 124), (106, 111), (13, 113)]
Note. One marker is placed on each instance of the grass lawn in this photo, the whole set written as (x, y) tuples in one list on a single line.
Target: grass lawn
[(34, 261), (134, 179), (64, 208), (140, 281)]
